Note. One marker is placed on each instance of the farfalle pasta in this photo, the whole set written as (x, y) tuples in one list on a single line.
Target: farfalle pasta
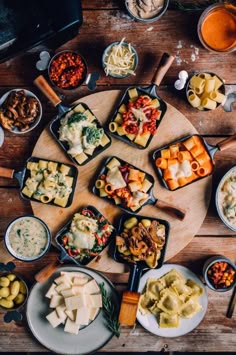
[(170, 298)]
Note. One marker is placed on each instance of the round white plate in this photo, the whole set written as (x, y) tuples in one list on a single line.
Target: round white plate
[(149, 321), (88, 340)]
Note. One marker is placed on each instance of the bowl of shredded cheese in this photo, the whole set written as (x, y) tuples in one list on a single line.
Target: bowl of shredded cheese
[(120, 60)]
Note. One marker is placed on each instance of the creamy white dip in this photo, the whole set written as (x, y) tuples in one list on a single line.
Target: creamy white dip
[(227, 198), (145, 9), (28, 238)]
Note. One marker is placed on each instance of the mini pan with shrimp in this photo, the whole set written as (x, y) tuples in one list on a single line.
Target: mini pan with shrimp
[(187, 160)]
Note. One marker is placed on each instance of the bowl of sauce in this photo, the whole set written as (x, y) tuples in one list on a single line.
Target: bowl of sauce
[(27, 238), (217, 28), (225, 199)]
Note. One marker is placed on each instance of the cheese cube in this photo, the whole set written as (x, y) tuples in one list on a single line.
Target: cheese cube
[(71, 314), (68, 292), (75, 302), (71, 327), (51, 291), (78, 290), (53, 319), (62, 279), (91, 287), (56, 300), (63, 286), (96, 300), (61, 312), (82, 316), (93, 312), (79, 280)]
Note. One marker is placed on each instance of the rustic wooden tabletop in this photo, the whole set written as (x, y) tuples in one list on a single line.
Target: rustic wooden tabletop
[(176, 33)]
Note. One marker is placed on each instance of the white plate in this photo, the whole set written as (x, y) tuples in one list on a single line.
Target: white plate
[(89, 339), (149, 321)]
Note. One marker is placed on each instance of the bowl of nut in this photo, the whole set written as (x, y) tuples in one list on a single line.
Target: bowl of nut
[(219, 273), (20, 111)]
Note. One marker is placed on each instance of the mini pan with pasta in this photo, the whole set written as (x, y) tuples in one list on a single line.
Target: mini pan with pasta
[(129, 188), (50, 175), (134, 128), (187, 160)]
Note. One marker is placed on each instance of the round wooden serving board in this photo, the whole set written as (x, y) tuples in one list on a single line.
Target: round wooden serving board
[(193, 198)]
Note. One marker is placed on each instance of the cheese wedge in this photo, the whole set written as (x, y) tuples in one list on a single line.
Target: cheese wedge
[(71, 314), (56, 300)]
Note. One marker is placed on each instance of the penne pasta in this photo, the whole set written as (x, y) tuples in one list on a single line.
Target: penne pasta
[(194, 165), (208, 103), (203, 158), (174, 149), (172, 184), (108, 188), (194, 100), (172, 162), (113, 127), (161, 163), (189, 143), (184, 155), (165, 153), (210, 85), (217, 96), (196, 150), (182, 181), (100, 184)]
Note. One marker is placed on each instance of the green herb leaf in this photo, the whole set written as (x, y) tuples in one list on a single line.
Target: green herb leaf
[(92, 134), (76, 117), (109, 312)]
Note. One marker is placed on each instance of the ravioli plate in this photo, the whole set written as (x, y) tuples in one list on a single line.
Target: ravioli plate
[(149, 321)]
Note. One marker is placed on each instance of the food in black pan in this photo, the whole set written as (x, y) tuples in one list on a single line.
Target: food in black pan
[(80, 134), (137, 119), (141, 240), (183, 162), (87, 235), (124, 185), (48, 182)]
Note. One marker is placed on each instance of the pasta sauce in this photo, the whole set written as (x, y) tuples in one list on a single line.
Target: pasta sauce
[(219, 29), (28, 238)]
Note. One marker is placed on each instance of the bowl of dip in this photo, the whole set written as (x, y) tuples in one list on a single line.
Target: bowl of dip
[(27, 238), (146, 10), (225, 199), (217, 28)]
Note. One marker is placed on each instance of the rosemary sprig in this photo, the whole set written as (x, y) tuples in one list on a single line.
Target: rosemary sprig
[(109, 312), (177, 5)]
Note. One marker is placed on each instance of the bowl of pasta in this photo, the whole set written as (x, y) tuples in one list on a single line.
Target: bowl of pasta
[(225, 199), (205, 91)]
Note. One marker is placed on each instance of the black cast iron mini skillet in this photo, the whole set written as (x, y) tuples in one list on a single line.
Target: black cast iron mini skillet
[(64, 257), (151, 90), (54, 129), (152, 200), (23, 175), (131, 296), (210, 149)]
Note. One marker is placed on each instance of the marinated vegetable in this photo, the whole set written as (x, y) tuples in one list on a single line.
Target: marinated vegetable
[(141, 241), (87, 236), (221, 275)]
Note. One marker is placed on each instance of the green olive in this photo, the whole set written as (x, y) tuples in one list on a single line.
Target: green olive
[(11, 277), (6, 304), (19, 298), (15, 287), (4, 292), (4, 281)]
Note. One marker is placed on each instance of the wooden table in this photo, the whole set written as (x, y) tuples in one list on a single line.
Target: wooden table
[(104, 22)]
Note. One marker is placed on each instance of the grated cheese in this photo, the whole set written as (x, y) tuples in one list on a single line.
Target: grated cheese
[(120, 60)]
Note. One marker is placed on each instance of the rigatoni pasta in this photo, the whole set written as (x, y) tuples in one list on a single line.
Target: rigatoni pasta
[(203, 91)]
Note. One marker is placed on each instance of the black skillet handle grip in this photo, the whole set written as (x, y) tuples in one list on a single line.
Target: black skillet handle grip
[(170, 209), (163, 66), (6, 173), (227, 143), (47, 271), (47, 90)]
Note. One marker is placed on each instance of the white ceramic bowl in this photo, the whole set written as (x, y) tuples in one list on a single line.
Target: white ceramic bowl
[(219, 196), (37, 119), (20, 230)]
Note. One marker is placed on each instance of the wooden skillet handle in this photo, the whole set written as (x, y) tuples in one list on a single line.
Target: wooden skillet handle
[(47, 90), (163, 66), (128, 309), (6, 173), (170, 209), (47, 271), (227, 143)]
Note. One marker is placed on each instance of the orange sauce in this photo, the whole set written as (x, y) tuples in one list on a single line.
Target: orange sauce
[(219, 29)]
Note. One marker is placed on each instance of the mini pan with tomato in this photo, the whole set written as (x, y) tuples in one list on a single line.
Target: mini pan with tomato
[(187, 160), (140, 110), (129, 187), (141, 243), (81, 240)]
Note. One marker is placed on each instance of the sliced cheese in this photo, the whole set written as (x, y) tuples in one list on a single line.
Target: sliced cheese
[(96, 300), (51, 291), (93, 313), (68, 292), (115, 178), (63, 286), (82, 316), (91, 287), (71, 314), (75, 302), (56, 301), (78, 290), (62, 279), (79, 280), (71, 327), (61, 312), (53, 319)]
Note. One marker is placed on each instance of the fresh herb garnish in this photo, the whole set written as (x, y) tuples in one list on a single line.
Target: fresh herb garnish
[(18, 232), (76, 117), (109, 312), (92, 134)]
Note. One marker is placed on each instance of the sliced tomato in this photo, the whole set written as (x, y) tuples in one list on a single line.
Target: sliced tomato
[(73, 252)]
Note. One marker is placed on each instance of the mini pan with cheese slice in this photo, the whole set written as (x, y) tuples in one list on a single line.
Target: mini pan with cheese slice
[(187, 160)]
